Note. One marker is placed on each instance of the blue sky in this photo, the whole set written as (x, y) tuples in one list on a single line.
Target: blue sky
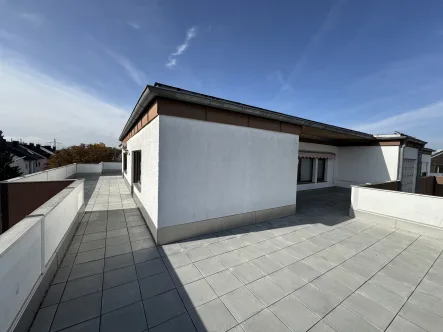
[(75, 69)]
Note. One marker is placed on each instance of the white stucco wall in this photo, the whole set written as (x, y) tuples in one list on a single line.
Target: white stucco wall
[(426, 163), (406, 206), (366, 164), (147, 140), (210, 170), (330, 165), (21, 163)]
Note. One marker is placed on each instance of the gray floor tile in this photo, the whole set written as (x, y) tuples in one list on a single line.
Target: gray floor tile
[(345, 277), (130, 318), (247, 272), (92, 245), (223, 282), (197, 254), (119, 276), (185, 274), (242, 304), (304, 271), (43, 320), (150, 268), (73, 249), (163, 307), (287, 280), (89, 256), (332, 287), (264, 321), (196, 293), (118, 249), (113, 241), (77, 311), (283, 257), (120, 296), (218, 248), (210, 266), (344, 320), (117, 262), (117, 225), (294, 314), (392, 285), (87, 269), (94, 237), (53, 295), (321, 327), (116, 232), (212, 316), (231, 259), (266, 264), (182, 323), (430, 302), (431, 288), (369, 310), (177, 260), (144, 255), (406, 277), (62, 274), (266, 290), (140, 236), (92, 325), (402, 325), (421, 317), (68, 260), (94, 229), (83, 286), (155, 285), (76, 239), (169, 249), (315, 300), (143, 244), (380, 295)]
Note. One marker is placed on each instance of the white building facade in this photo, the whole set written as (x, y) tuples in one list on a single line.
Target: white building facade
[(196, 164)]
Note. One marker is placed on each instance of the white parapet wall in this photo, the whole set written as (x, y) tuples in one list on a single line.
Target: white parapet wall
[(415, 212), (89, 168), (30, 253)]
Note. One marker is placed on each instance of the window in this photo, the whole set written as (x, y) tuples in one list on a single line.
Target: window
[(321, 170), (125, 162), (136, 162), (305, 170)]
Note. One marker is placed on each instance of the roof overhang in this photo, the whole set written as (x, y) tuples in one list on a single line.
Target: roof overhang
[(151, 92)]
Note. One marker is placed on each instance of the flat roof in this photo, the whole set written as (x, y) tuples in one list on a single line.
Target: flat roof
[(171, 92)]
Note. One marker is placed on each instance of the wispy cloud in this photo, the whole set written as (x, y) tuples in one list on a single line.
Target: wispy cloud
[(134, 25), (33, 18), (137, 75), (421, 122), (38, 98), (172, 59)]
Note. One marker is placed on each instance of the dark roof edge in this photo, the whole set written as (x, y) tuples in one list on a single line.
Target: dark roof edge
[(160, 90)]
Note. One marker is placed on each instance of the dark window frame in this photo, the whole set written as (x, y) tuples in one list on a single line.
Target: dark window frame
[(299, 170), (125, 162), (323, 176), (137, 168)]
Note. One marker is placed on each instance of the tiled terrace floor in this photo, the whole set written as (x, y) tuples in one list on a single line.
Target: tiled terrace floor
[(299, 273)]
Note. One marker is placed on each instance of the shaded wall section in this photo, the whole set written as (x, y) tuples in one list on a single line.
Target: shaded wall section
[(19, 199), (393, 185)]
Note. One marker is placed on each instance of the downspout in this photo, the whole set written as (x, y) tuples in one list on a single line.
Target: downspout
[(418, 175), (400, 164)]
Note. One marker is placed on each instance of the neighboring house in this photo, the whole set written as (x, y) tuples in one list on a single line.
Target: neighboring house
[(45, 151), (29, 162), (426, 161), (437, 162), (197, 164)]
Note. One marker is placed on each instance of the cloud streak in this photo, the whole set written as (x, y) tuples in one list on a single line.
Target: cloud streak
[(39, 106), (137, 75), (33, 18), (134, 25), (421, 122), (172, 59)]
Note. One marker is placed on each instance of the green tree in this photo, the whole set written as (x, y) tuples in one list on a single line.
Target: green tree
[(7, 171), (83, 154)]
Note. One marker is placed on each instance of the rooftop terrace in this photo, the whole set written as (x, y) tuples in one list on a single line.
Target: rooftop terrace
[(318, 270)]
